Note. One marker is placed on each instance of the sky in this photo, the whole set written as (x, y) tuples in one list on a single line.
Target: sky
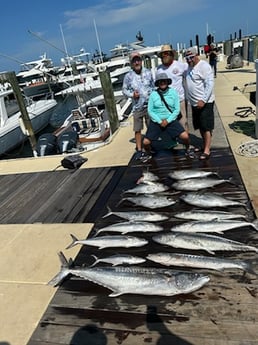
[(31, 28)]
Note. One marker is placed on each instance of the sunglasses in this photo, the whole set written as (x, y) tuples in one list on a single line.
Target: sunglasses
[(189, 57)]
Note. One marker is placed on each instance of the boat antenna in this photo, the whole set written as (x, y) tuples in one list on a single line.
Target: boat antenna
[(97, 36), (42, 39)]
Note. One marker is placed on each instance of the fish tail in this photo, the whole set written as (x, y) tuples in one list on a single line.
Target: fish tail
[(109, 213), (64, 271), (95, 262), (74, 240), (255, 224), (247, 266)]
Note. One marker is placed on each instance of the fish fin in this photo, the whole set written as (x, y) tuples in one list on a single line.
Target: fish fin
[(120, 201), (210, 251), (115, 294), (74, 240), (109, 213), (63, 273), (230, 180)]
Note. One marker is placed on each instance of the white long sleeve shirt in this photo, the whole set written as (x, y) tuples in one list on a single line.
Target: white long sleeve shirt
[(200, 83)]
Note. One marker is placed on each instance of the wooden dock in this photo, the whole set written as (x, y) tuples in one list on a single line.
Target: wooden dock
[(223, 312)]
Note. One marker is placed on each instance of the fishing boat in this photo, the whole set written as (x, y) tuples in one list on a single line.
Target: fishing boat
[(11, 133), (85, 129)]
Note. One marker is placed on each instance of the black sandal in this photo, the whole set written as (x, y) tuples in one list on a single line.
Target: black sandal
[(204, 156)]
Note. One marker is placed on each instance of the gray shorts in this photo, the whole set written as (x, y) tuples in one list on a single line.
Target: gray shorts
[(138, 117)]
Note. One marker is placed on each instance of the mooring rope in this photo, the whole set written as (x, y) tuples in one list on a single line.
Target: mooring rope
[(248, 149)]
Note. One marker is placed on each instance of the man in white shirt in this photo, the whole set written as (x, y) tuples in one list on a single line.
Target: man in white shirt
[(175, 70), (200, 84)]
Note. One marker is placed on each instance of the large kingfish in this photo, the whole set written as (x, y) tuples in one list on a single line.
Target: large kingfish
[(148, 187), (207, 215), (214, 225), (199, 261), (145, 216), (151, 201), (189, 173), (109, 241), (195, 184), (135, 280), (207, 200), (119, 259), (209, 243), (128, 227)]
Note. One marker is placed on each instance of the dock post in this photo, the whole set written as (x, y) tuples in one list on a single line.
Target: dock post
[(10, 77), (110, 103), (256, 100)]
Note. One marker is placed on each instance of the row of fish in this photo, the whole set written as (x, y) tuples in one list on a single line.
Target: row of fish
[(149, 281)]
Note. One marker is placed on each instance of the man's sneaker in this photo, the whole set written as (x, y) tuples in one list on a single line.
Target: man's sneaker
[(138, 155), (145, 157), (189, 153)]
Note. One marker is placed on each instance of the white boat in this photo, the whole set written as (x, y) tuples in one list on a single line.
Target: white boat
[(37, 78), (86, 128), (11, 133)]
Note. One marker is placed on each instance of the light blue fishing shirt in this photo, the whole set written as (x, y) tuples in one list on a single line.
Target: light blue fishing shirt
[(157, 109), (143, 83)]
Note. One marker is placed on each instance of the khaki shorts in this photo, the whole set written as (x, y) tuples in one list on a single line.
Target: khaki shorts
[(138, 117)]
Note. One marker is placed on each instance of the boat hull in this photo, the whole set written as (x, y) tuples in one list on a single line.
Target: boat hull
[(12, 135)]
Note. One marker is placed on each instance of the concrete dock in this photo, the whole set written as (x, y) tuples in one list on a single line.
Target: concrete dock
[(29, 251)]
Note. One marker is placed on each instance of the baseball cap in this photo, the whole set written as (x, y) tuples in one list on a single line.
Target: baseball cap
[(134, 55)]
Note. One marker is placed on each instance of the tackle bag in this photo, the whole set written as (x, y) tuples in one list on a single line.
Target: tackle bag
[(73, 162)]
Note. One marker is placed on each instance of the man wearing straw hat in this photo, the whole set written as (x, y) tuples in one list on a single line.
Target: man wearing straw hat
[(175, 71)]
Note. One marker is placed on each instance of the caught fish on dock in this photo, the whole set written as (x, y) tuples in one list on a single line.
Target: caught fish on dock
[(130, 226), (195, 184), (196, 241), (134, 280), (109, 241), (183, 174), (148, 187), (208, 199), (147, 216), (199, 261), (119, 259), (152, 201), (214, 225), (207, 215), (147, 176)]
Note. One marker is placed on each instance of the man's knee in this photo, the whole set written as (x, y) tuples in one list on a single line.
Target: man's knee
[(146, 141)]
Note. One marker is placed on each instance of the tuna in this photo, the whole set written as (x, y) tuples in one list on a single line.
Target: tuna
[(134, 280), (147, 176), (207, 215), (208, 243), (189, 173), (195, 184), (214, 225), (207, 200), (128, 227), (151, 201), (198, 261), (110, 241), (148, 187)]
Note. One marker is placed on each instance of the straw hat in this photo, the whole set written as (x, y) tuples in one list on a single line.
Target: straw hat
[(166, 48)]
